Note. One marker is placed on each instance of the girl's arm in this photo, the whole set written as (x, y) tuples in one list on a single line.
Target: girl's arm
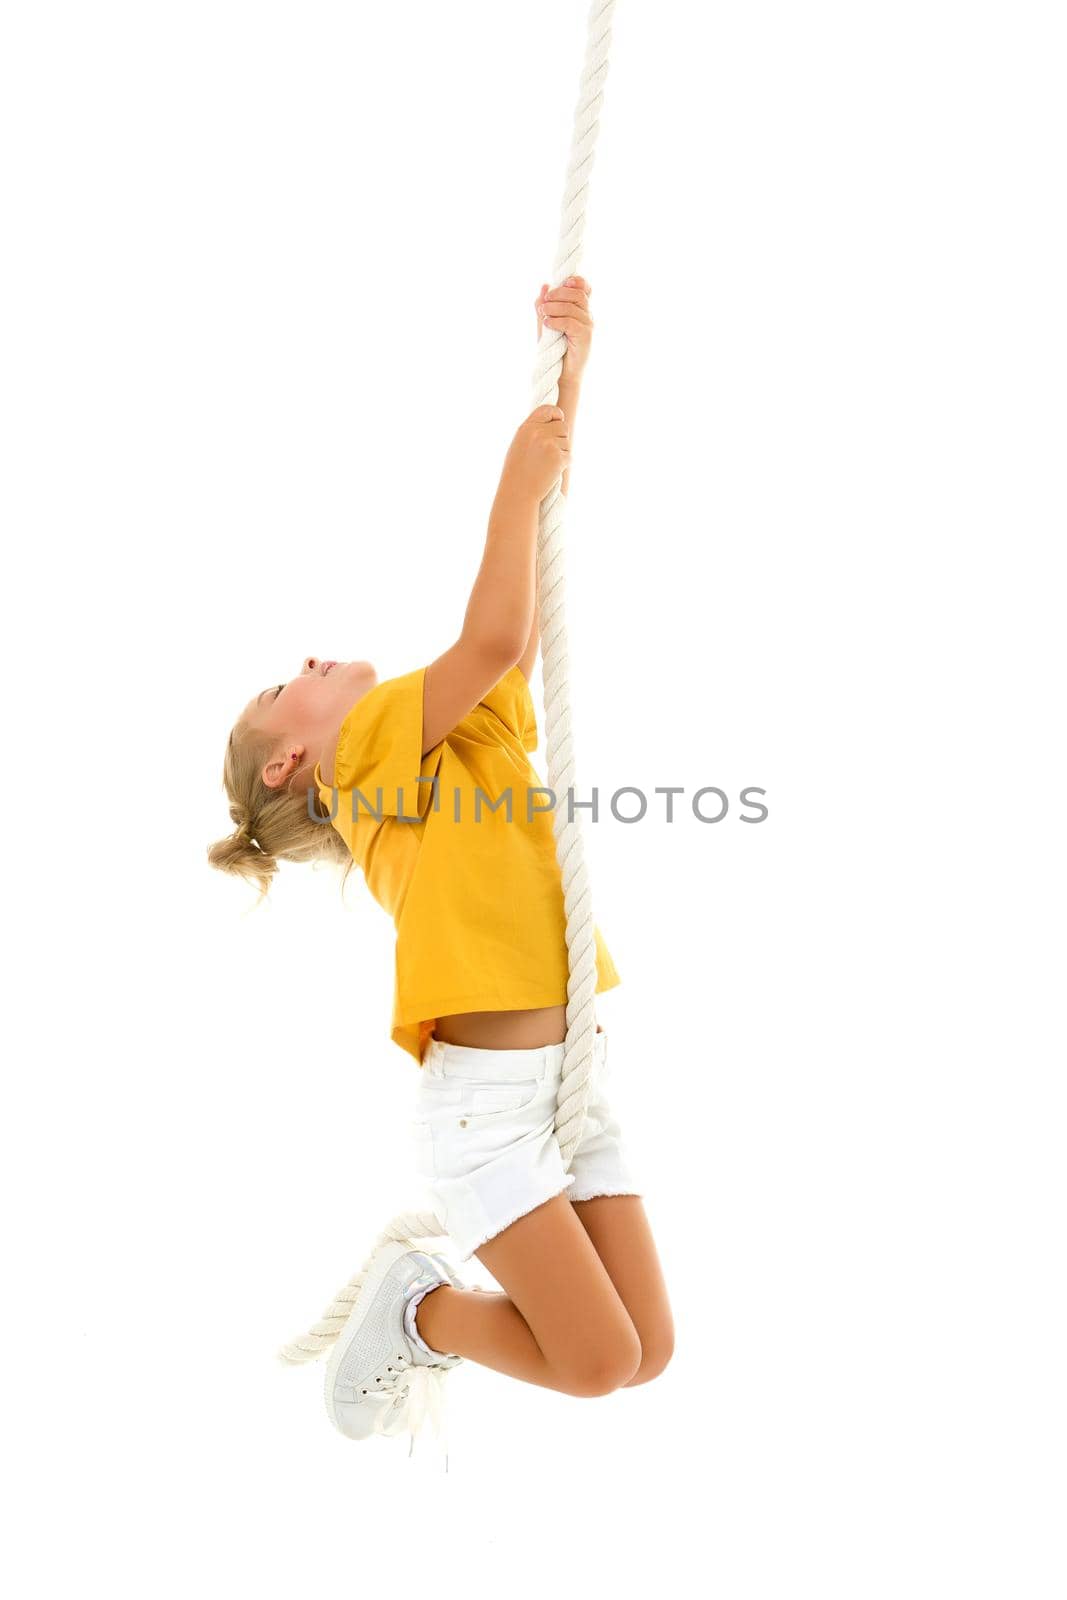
[(500, 612), (566, 309), (569, 390), (501, 627)]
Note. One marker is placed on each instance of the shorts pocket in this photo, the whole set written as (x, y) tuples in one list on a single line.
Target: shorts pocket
[(482, 1102), (471, 1122)]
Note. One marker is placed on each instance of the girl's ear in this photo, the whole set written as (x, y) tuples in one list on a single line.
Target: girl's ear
[(281, 769)]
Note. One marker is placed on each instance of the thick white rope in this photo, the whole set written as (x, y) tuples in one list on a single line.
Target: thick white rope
[(573, 1096), (559, 744)]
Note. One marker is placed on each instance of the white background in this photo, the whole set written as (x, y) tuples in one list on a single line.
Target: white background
[(269, 273)]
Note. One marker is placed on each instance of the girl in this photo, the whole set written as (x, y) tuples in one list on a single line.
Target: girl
[(425, 781)]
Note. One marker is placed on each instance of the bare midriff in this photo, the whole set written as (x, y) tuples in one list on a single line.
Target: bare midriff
[(504, 1030)]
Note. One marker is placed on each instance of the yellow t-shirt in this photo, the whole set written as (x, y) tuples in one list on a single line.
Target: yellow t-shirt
[(477, 899)]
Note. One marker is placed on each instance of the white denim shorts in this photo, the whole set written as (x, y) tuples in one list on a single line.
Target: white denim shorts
[(485, 1139)]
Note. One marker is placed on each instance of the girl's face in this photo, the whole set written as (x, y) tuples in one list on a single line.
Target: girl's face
[(305, 714)]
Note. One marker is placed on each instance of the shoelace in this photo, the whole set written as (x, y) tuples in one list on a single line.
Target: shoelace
[(419, 1395)]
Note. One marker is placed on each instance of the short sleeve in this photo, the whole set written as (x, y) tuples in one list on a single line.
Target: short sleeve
[(512, 702), (379, 748)]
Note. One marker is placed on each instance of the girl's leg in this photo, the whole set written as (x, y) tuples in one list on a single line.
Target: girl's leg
[(560, 1322), (620, 1232)]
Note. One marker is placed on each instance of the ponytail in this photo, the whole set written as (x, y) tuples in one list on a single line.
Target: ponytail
[(272, 825)]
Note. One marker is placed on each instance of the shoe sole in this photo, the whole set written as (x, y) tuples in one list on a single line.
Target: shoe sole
[(384, 1259)]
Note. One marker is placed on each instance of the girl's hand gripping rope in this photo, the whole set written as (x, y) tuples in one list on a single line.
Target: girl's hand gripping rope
[(566, 310)]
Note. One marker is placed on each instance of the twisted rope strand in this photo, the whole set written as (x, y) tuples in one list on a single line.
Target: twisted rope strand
[(574, 1089)]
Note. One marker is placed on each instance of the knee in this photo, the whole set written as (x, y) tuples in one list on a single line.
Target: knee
[(604, 1370), (655, 1358)]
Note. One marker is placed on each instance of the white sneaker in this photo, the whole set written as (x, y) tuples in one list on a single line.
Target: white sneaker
[(378, 1380)]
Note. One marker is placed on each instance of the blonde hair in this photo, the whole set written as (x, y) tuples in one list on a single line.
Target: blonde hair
[(272, 824)]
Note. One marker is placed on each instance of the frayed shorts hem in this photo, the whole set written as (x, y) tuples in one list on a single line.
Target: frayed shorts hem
[(605, 1194), (575, 1199), (500, 1224)]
